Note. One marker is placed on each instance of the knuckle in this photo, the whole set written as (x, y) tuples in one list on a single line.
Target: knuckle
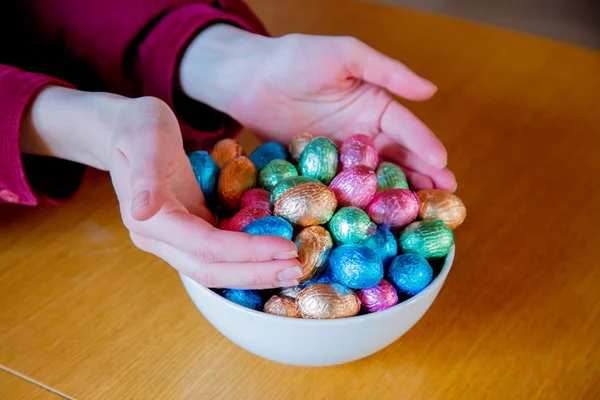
[(205, 254), (140, 242), (205, 278)]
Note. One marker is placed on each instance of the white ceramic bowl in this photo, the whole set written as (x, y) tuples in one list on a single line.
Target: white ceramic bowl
[(306, 342)]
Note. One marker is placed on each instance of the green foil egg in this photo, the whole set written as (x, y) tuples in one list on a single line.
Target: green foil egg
[(351, 225), (319, 160), (289, 183), (274, 172), (428, 239), (390, 176)]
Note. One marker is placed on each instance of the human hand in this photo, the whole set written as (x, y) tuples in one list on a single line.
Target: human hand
[(333, 86), (161, 203)]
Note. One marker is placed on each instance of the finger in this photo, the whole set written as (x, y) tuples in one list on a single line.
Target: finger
[(405, 128), (233, 275), (440, 178), (374, 67), (191, 234)]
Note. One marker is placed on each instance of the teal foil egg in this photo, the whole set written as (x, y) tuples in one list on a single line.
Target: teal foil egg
[(289, 183), (206, 172), (269, 226), (384, 243), (275, 172), (351, 225), (319, 160), (390, 176), (355, 266), (410, 274), (246, 298), (428, 239), (266, 153)]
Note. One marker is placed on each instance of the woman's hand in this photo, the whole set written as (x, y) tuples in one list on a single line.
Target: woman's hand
[(139, 142), (334, 86)]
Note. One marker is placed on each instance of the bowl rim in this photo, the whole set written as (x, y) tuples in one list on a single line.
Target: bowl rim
[(445, 270)]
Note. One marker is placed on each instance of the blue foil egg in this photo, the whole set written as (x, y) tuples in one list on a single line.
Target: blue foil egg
[(356, 266), (384, 243), (325, 277), (206, 171), (270, 226), (246, 298), (266, 153), (410, 274)]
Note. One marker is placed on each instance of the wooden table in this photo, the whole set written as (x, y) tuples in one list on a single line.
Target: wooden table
[(86, 313)]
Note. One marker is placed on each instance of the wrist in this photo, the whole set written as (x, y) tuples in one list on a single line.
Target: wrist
[(218, 62)]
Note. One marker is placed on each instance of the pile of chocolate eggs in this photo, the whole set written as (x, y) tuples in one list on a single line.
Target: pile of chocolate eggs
[(366, 241)]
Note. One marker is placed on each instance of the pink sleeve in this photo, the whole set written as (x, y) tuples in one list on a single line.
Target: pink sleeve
[(22, 182), (136, 46)]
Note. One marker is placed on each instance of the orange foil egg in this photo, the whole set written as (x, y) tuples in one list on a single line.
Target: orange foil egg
[(314, 247), (306, 204), (226, 150), (327, 301), (237, 176), (439, 204), (298, 144), (283, 306)]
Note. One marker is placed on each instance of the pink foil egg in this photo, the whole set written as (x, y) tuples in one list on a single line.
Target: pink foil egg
[(379, 297), (359, 149), (394, 208), (355, 186), (244, 217), (256, 197)]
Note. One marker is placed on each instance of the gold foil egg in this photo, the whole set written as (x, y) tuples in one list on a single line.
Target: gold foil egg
[(226, 150), (283, 306), (327, 301), (439, 204), (314, 247), (237, 176), (298, 144), (306, 204)]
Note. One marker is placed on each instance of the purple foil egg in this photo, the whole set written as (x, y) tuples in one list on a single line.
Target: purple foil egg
[(359, 149), (355, 186), (244, 217), (378, 298), (256, 197), (394, 208)]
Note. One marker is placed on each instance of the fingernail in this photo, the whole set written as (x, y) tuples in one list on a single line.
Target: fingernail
[(439, 163), (290, 273), (455, 187), (140, 199), (290, 283), (286, 256)]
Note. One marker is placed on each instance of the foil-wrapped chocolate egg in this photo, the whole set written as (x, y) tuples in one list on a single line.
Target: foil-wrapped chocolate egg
[(390, 176), (291, 291), (351, 225), (266, 153), (439, 204), (314, 245), (226, 150), (355, 266), (359, 149), (244, 217), (327, 301), (256, 197), (274, 172), (355, 186), (394, 208), (269, 226), (319, 160), (298, 144), (206, 171), (237, 176), (282, 306), (246, 298), (384, 244), (324, 277), (428, 238), (410, 274), (288, 183), (306, 204), (379, 297)]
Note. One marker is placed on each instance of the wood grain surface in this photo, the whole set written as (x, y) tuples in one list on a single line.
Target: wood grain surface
[(82, 310), (13, 387)]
